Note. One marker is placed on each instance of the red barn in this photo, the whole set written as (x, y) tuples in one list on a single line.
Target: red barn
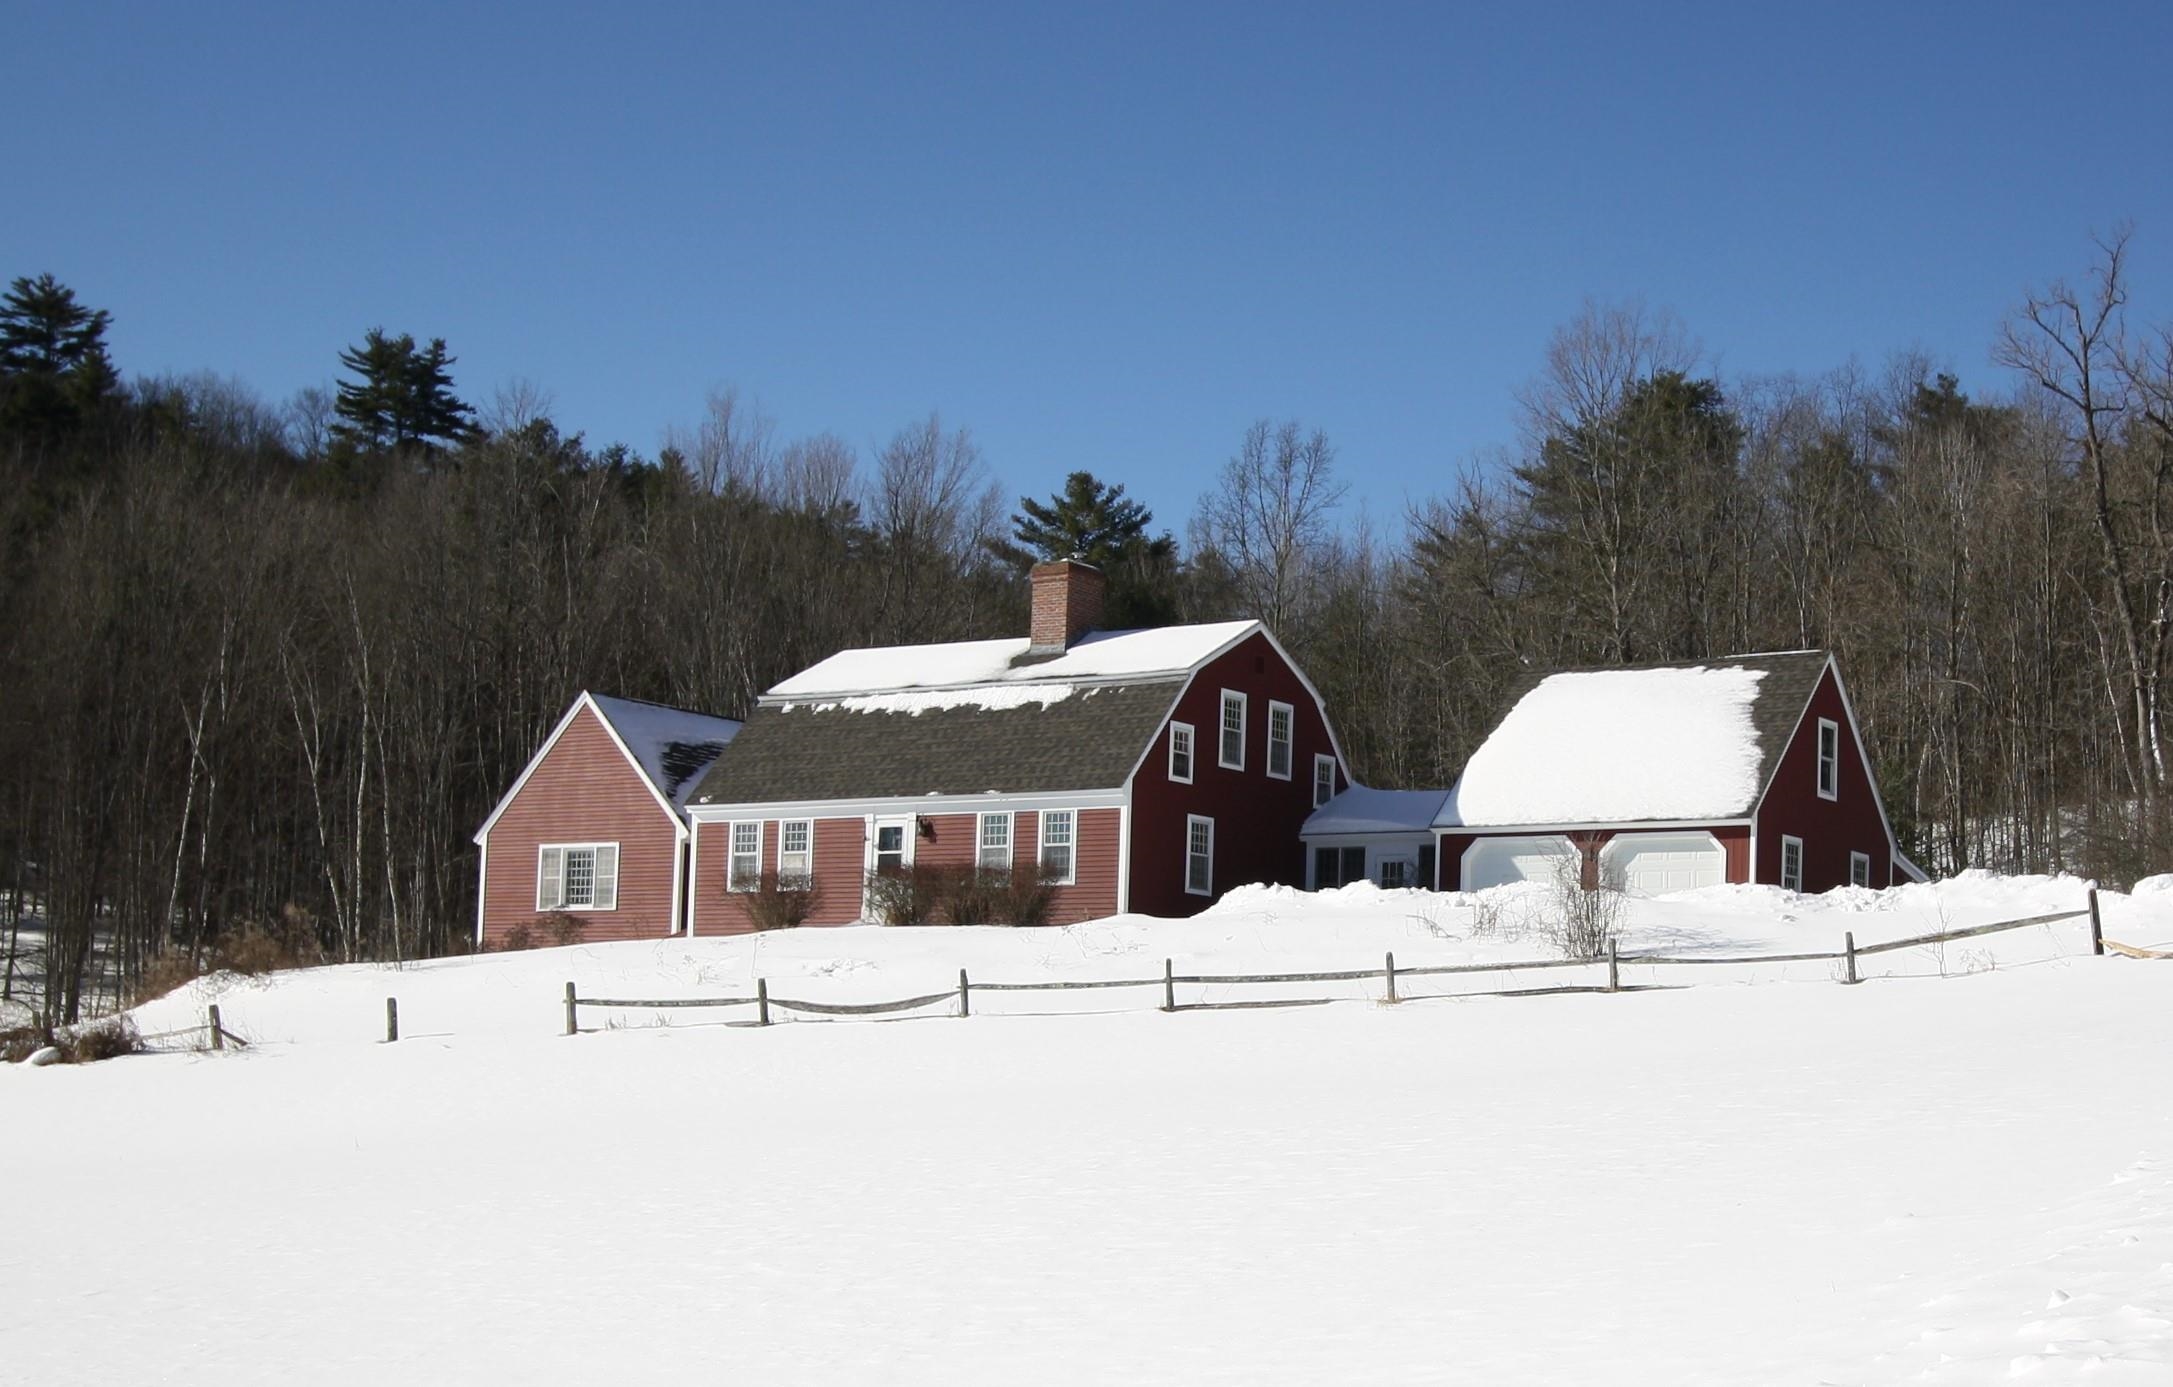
[(1659, 778), (595, 829), (1138, 770)]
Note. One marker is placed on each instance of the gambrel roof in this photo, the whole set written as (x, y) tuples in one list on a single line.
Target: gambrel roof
[(966, 718), (1689, 741)]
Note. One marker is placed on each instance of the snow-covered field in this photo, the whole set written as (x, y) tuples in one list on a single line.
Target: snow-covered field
[(1959, 1179)]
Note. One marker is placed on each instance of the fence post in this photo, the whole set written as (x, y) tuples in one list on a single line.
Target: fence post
[(392, 1019), (1169, 984), (570, 1027), (1390, 972), (965, 1006), (1614, 969), (762, 1001), (2097, 926), (218, 1032), (1848, 941)]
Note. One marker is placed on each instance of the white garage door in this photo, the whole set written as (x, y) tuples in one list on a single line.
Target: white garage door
[(1498, 861), (1650, 864)]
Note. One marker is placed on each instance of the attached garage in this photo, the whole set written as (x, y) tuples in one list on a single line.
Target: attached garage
[(1651, 864), (1499, 861)]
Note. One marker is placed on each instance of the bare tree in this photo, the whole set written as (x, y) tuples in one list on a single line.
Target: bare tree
[(1269, 520)]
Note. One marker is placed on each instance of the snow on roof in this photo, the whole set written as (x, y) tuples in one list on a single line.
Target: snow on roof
[(1098, 656), (1361, 809), (673, 745), (1617, 746)]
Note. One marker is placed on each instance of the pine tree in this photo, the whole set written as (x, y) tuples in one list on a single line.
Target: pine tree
[(403, 400), (1093, 521), (53, 364)]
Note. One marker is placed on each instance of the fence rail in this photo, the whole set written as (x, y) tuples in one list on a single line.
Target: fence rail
[(1390, 973)]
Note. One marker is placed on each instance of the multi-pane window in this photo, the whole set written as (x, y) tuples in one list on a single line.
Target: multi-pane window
[(1232, 754), (1280, 718), (1180, 752), (1791, 863), (795, 853), (1859, 869), (743, 872), (1199, 855), (995, 849), (1059, 827), (1395, 873), (577, 876), (1323, 780), (1829, 759), (1333, 867)]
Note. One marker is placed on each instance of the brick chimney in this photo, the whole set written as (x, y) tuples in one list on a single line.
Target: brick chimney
[(1067, 604)]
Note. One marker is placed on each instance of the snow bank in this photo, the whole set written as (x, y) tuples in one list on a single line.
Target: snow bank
[(1253, 929)]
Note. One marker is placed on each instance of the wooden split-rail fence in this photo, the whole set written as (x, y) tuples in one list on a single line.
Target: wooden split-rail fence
[(1391, 975)]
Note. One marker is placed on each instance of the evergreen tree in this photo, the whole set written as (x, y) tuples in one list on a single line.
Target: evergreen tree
[(1093, 521), (53, 363), (403, 398)]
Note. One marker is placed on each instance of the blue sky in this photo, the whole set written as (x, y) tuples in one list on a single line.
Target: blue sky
[(1108, 237)]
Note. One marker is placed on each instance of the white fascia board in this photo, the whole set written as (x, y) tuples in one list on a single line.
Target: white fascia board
[(679, 824), (861, 807), (1349, 837), (1072, 681), (1863, 758), (1620, 826)]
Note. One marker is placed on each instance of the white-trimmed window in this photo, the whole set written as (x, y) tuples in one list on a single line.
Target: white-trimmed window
[(1230, 754), (1199, 855), (1829, 759), (1059, 846), (1180, 752), (577, 876), (1859, 869), (1282, 720), (1395, 873), (1323, 780), (994, 853), (1791, 863), (743, 863), (796, 853)]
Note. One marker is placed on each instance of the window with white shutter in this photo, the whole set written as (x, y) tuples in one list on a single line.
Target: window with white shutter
[(577, 876)]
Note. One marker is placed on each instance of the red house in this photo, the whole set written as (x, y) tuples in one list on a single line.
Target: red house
[(1659, 778), (1139, 770), (595, 829)]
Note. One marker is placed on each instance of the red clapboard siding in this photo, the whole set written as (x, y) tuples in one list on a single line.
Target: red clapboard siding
[(949, 840), (1257, 819), (840, 848), (1830, 829), (584, 791)]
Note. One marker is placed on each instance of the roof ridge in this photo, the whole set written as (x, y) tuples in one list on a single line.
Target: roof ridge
[(667, 707)]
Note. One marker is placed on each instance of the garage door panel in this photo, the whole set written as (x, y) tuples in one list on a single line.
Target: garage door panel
[(1654, 864), (1499, 861)]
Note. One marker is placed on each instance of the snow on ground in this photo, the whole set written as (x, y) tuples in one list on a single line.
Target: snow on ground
[(1252, 930), (1961, 1179)]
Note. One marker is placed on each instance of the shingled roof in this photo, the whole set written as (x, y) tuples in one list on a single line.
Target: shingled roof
[(964, 718), (1088, 740), (1685, 740)]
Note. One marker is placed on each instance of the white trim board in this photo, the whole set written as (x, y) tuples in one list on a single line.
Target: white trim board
[(909, 804), (588, 701)]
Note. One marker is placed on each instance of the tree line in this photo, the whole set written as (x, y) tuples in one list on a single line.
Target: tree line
[(272, 664)]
